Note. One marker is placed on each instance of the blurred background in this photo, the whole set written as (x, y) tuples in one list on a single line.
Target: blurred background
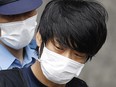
[(100, 72)]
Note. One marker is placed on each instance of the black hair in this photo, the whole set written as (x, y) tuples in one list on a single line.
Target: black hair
[(76, 24)]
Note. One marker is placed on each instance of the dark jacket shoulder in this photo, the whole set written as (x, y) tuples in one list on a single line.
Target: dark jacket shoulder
[(76, 82), (12, 78)]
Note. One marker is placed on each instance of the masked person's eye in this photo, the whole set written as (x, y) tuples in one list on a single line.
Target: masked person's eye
[(81, 55), (76, 54), (59, 48)]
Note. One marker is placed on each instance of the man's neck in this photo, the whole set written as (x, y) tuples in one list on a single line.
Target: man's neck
[(36, 69), (16, 53)]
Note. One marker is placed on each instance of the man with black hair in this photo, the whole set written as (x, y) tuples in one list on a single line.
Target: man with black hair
[(17, 29), (70, 33)]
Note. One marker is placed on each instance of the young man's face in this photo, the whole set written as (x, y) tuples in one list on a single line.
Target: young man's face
[(55, 47), (18, 17), (69, 53)]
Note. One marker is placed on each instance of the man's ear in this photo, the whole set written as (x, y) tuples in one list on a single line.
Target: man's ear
[(38, 39)]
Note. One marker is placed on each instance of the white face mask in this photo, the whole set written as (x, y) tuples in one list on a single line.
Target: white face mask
[(18, 34), (57, 68)]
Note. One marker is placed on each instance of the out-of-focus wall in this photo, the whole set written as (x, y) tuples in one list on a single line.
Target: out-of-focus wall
[(101, 71)]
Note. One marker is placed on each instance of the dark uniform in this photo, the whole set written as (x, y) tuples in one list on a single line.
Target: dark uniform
[(25, 78)]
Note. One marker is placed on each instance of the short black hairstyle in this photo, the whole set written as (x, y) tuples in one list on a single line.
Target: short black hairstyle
[(76, 24)]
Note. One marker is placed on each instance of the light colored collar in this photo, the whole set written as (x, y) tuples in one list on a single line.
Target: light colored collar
[(6, 58)]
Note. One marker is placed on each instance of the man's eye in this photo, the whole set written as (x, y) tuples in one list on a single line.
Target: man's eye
[(59, 48), (77, 55), (81, 56)]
